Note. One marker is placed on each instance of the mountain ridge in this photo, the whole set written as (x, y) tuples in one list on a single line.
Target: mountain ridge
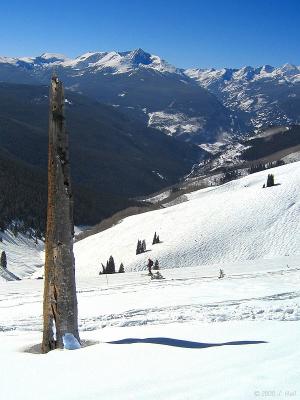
[(138, 83), (139, 57), (201, 105), (261, 97)]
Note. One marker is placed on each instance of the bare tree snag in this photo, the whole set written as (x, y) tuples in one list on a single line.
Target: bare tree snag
[(60, 300)]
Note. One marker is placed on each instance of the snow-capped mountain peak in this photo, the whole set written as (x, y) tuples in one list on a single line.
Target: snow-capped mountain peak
[(262, 94), (289, 70), (52, 57), (246, 72), (84, 60), (111, 62), (138, 57), (268, 69), (248, 98), (122, 62)]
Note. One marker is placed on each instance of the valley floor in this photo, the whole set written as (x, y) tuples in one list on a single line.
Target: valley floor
[(189, 336)]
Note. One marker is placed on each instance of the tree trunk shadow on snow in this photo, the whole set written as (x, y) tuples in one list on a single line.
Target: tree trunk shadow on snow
[(184, 343)]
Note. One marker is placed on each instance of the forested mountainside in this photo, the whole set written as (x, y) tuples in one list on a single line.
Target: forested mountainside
[(113, 157), (23, 199)]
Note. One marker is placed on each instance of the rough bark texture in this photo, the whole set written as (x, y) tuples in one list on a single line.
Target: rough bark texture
[(60, 301)]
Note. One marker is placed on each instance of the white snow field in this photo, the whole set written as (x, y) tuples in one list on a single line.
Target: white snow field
[(236, 221), (190, 336), (24, 256)]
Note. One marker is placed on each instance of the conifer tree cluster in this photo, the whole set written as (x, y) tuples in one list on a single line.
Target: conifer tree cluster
[(140, 247), (3, 260), (262, 167), (110, 267), (270, 180), (155, 239), (121, 269)]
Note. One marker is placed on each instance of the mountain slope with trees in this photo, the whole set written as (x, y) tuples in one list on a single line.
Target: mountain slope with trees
[(23, 199), (234, 222), (110, 152), (137, 83), (113, 157)]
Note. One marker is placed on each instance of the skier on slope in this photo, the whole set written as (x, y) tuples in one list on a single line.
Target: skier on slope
[(221, 274), (149, 265)]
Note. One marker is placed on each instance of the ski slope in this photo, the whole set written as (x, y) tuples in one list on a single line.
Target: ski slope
[(24, 256), (234, 222), (190, 336)]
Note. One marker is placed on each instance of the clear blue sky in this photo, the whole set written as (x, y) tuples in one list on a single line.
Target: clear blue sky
[(187, 33)]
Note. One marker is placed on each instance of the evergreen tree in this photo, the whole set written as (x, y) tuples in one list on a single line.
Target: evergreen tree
[(3, 261), (138, 248), (121, 269), (270, 180), (257, 167), (141, 247), (103, 270), (111, 269), (154, 239)]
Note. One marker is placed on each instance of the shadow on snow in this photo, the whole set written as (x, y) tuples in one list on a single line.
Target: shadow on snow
[(183, 343)]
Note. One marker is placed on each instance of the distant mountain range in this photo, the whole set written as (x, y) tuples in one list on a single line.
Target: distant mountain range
[(259, 97), (197, 105), (125, 111), (137, 83)]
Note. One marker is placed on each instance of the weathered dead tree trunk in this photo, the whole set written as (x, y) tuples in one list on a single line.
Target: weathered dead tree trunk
[(60, 300)]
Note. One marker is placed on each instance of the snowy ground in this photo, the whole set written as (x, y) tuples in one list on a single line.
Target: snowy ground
[(233, 222), (24, 256), (189, 336)]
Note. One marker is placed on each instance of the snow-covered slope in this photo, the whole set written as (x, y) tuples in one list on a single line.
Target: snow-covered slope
[(233, 331), (24, 256), (237, 221), (228, 331)]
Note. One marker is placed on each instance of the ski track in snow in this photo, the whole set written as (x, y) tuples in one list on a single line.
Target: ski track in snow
[(245, 326), (134, 300)]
